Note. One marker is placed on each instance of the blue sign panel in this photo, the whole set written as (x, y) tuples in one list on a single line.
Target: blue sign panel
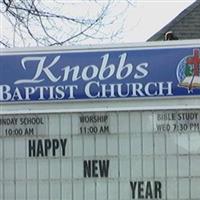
[(107, 74)]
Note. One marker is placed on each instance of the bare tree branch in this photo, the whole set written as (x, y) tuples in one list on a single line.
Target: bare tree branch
[(4, 44), (35, 22)]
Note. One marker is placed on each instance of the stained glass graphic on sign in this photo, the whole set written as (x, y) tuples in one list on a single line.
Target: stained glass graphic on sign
[(188, 71)]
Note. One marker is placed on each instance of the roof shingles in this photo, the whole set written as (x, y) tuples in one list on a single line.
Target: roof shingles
[(185, 26)]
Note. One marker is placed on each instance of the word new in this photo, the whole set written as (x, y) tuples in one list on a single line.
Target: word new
[(96, 168), (47, 147)]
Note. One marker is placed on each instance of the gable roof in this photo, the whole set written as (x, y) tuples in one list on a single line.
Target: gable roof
[(185, 26)]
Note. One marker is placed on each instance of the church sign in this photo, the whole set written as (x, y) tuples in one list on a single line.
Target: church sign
[(115, 73), (112, 123)]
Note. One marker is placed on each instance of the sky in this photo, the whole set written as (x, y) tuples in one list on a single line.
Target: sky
[(141, 20), (147, 17)]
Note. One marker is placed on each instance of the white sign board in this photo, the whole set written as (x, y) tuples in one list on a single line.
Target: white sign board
[(100, 155)]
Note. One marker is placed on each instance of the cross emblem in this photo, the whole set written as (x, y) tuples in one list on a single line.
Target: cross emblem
[(195, 61)]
